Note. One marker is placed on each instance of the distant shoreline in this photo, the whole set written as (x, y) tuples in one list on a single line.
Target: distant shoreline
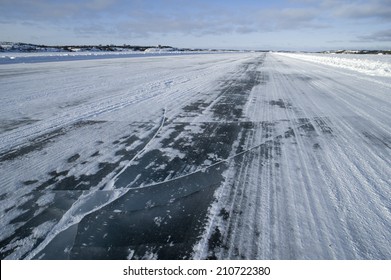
[(11, 47), (34, 48)]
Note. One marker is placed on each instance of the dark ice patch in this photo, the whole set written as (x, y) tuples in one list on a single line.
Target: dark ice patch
[(164, 220), (234, 93), (95, 154), (30, 182), (73, 158), (156, 166)]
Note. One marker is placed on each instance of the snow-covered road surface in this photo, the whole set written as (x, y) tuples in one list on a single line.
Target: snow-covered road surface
[(227, 156)]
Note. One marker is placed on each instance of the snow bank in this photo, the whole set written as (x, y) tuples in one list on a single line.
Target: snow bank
[(373, 65), (159, 50)]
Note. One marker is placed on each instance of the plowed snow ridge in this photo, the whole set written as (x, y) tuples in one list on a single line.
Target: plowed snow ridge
[(374, 65)]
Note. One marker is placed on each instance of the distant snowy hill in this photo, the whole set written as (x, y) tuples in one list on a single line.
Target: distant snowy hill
[(23, 47)]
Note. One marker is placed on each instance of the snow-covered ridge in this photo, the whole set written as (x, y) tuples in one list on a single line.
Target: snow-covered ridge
[(32, 48), (374, 65)]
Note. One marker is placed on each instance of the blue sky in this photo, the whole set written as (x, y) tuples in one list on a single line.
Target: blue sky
[(244, 24)]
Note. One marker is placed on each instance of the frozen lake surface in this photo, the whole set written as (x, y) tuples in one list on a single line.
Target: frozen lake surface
[(207, 156)]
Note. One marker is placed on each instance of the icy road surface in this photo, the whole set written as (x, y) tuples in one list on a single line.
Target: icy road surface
[(227, 156)]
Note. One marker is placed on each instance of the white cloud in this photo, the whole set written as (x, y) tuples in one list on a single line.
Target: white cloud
[(148, 19), (371, 9)]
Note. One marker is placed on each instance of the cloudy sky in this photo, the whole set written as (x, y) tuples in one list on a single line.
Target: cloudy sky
[(249, 24)]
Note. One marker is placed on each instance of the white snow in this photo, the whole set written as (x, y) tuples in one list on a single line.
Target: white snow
[(374, 65), (45, 199), (323, 192)]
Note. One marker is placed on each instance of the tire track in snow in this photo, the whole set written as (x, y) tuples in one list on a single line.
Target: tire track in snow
[(346, 150), (314, 221), (317, 162), (306, 205), (346, 160)]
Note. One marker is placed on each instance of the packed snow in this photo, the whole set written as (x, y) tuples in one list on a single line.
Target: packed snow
[(203, 156)]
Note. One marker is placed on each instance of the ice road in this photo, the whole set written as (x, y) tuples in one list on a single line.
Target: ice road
[(214, 156)]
